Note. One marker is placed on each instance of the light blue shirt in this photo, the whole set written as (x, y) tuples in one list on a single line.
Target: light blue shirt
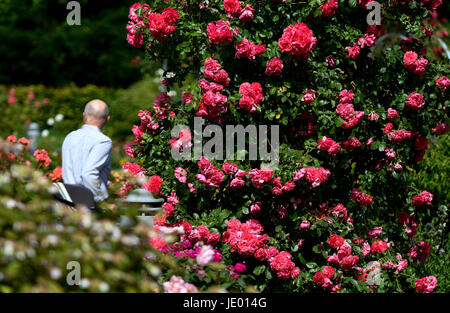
[(86, 160)]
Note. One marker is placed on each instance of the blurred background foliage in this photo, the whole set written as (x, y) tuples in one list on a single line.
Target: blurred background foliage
[(42, 105), (39, 47), (40, 237)]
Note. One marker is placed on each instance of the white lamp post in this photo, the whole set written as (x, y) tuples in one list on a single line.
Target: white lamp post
[(149, 207), (33, 135)]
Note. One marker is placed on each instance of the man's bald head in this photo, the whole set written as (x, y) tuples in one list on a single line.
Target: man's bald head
[(96, 113)]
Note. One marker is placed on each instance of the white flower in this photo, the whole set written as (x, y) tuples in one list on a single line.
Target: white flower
[(104, 287), (45, 133), (55, 273), (59, 117), (50, 121), (8, 248), (84, 283), (176, 284)]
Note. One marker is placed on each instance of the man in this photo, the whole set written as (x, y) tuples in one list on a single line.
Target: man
[(86, 152)]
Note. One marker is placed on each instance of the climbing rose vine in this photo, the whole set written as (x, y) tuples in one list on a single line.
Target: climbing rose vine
[(338, 213)]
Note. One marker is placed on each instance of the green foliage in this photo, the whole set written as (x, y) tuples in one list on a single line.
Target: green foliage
[(39, 47), (69, 101), (433, 172), (39, 237), (379, 81)]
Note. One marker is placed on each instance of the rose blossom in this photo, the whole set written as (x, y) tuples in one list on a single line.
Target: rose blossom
[(205, 256), (232, 7), (443, 83), (248, 50), (379, 246), (297, 40), (219, 32), (426, 284), (348, 262), (274, 67), (423, 198), (252, 96), (305, 225), (392, 114), (329, 7), (11, 138), (415, 101), (246, 14), (335, 241), (181, 175), (361, 197), (375, 232), (353, 52), (308, 96), (154, 184), (176, 284)]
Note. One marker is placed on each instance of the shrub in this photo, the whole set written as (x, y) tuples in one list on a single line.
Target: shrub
[(39, 237), (352, 124)]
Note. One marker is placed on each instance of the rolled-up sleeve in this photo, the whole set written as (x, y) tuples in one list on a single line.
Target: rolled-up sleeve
[(99, 156)]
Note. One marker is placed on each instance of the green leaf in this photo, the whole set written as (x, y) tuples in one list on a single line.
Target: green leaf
[(311, 265), (259, 270)]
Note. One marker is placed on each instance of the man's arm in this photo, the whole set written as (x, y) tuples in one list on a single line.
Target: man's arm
[(90, 175)]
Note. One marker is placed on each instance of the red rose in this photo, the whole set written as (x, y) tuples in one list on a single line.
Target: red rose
[(154, 184), (260, 254), (170, 16), (328, 271), (297, 40), (344, 251), (441, 129), (329, 8), (351, 144), (426, 284), (308, 96), (345, 110), (353, 52), (348, 262), (361, 197), (443, 83), (409, 60), (213, 239), (415, 101), (220, 32), (379, 246), (423, 198), (247, 14), (335, 241), (248, 50), (274, 67), (392, 114), (232, 7), (251, 96), (42, 157), (187, 97), (319, 278)]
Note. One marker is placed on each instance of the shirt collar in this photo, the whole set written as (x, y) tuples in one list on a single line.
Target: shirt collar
[(90, 127)]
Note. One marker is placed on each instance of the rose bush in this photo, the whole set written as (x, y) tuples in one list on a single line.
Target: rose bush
[(338, 214)]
